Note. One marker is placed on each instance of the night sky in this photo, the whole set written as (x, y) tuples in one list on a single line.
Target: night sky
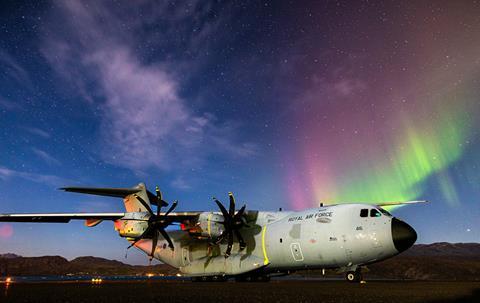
[(285, 103)]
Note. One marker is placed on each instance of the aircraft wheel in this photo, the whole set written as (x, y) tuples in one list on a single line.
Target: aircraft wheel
[(353, 276), (202, 279), (219, 279)]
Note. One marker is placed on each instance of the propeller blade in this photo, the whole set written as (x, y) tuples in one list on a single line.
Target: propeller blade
[(142, 236), (240, 239), (232, 204), (229, 245), (145, 204), (134, 242), (222, 209), (154, 244), (174, 204), (146, 232), (159, 200), (154, 200), (239, 214), (220, 238), (167, 237)]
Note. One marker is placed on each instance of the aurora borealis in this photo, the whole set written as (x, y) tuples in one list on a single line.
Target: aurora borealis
[(390, 163), (286, 104)]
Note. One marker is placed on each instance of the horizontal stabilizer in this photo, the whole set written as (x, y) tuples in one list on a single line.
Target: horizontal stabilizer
[(59, 218), (114, 192), (111, 192)]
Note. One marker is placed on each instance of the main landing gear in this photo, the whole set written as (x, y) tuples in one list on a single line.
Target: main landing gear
[(253, 278), (256, 278), (209, 279)]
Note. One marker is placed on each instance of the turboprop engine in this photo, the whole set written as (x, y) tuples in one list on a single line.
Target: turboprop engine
[(130, 229), (209, 226), (222, 228), (132, 226)]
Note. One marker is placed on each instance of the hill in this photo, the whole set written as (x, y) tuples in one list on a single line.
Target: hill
[(56, 265), (437, 261)]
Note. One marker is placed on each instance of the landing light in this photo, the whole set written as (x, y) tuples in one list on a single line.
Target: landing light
[(150, 275), (8, 280), (96, 280)]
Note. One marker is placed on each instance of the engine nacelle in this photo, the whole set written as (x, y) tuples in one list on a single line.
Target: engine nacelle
[(208, 226), (130, 228)]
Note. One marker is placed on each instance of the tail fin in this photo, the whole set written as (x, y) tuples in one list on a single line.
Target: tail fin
[(128, 194)]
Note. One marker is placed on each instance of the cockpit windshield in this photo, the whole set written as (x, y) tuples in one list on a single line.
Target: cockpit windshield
[(374, 212), (383, 211)]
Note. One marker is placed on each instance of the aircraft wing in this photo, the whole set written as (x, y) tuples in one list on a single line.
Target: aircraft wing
[(59, 218), (181, 217), (400, 203)]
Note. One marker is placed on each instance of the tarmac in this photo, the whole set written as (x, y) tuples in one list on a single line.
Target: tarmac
[(246, 292)]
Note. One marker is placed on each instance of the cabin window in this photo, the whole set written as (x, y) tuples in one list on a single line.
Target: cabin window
[(364, 213), (374, 213)]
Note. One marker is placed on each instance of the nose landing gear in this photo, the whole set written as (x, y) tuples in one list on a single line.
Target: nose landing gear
[(354, 276)]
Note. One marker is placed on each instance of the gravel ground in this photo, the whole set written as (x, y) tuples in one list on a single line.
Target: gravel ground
[(274, 291)]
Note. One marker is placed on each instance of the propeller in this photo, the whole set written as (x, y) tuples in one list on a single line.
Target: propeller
[(157, 222), (233, 222)]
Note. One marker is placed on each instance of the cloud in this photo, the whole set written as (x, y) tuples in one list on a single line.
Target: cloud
[(145, 121), (12, 68), (50, 180), (180, 183), (38, 132), (46, 156), (6, 230), (348, 87), (7, 104)]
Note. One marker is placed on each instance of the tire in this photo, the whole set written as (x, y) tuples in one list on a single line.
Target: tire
[(252, 279), (218, 278), (353, 276), (201, 279)]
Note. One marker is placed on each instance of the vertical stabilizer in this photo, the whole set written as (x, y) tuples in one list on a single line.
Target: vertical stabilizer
[(132, 204)]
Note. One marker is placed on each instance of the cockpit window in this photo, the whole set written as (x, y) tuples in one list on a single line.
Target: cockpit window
[(375, 213), (383, 211), (364, 213)]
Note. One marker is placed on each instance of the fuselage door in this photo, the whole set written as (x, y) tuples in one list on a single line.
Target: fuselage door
[(185, 256), (296, 251)]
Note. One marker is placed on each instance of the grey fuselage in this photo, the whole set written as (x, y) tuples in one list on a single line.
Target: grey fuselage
[(337, 236)]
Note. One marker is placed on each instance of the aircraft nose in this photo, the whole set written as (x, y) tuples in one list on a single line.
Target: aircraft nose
[(403, 235)]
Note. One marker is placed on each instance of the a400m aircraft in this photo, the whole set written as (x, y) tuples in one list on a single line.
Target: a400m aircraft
[(248, 245)]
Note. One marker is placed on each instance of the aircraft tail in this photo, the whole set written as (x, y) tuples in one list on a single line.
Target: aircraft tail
[(132, 204)]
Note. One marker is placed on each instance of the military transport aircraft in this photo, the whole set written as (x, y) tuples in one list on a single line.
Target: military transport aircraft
[(248, 245)]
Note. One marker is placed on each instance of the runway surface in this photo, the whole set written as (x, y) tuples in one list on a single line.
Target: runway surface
[(274, 291)]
